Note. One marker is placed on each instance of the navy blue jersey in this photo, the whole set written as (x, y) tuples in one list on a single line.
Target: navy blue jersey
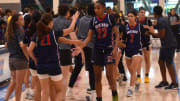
[(134, 37), (103, 31), (147, 37), (27, 40), (47, 48)]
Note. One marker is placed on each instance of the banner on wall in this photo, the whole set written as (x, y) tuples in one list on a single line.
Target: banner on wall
[(1, 66), (4, 65)]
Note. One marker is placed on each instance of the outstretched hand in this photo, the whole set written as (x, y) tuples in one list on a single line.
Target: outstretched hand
[(151, 30), (78, 43), (76, 15), (76, 51)]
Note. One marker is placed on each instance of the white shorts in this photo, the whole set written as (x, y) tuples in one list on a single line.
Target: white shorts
[(33, 72), (53, 78)]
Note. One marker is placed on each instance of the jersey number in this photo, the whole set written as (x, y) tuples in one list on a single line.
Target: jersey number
[(46, 41), (102, 31), (132, 38)]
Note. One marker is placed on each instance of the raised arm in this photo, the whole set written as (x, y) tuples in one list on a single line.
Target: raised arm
[(88, 39), (71, 27), (159, 34)]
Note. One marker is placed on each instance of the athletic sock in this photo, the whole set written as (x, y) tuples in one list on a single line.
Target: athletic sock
[(114, 96), (31, 91), (114, 93), (147, 74), (99, 98), (131, 87)]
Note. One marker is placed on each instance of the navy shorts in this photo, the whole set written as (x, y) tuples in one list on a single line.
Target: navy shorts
[(103, 57), (50, 69), (32, 65), (147, 46), (131, 54), (167, 55)]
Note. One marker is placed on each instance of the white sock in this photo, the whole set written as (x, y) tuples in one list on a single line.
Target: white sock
[(31, 91), (70, 88), (137, 82), (131, 87)]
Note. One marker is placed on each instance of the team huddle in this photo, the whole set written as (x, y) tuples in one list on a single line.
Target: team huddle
[(96, 39)]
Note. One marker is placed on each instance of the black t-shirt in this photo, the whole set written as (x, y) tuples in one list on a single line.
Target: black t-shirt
[(169, 40)]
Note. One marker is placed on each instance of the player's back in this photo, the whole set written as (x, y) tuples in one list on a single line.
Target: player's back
[(46, 49)]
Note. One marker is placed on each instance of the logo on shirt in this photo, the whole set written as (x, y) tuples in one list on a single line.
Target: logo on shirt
[(132, 31), (102, 25)]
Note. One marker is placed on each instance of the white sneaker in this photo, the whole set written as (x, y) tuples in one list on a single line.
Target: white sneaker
[(93, 95), (120, 79), (69, 92), (129, 93), (137, 86), (26, 91), (29, 97)]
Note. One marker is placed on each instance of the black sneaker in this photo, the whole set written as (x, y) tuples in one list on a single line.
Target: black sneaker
[(172, 86), (89, 90), (124, 78), (178, 50), (162, 84)]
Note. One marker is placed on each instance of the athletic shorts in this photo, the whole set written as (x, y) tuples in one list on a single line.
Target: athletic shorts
[(65, 57), (17, 64), (147, 46), (167, 55), (49, 70), (103, 57), (32, 65), (131, 54)]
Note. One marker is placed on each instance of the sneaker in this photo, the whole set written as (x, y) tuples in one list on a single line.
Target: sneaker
[(162, 84), (129, 93), (146, 79), (139, 79), (27, 93), (172, 86), (69, 92), (178, 50), (89, 90), (137, 85), (115, 98), (120, 79), (124, 78), (30, 97), (93, 95)]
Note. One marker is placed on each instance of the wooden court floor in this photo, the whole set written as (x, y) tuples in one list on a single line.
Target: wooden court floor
[(147, 91)]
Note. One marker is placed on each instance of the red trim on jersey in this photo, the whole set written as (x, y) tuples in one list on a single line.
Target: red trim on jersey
[(141, 22), (101, 19), (132, 27)]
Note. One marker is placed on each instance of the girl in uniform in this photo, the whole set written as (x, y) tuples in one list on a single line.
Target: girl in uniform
[(103, 25), (146, 46), (46, 56), (133, 38)]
